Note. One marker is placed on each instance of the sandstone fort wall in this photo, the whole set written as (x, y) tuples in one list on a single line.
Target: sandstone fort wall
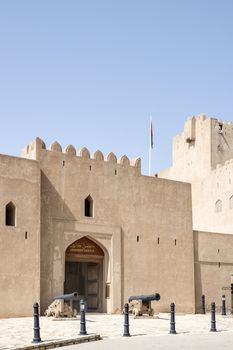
[(143, 224), (19, 245)]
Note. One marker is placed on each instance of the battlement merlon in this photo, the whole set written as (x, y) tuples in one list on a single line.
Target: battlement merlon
[(35, 150)]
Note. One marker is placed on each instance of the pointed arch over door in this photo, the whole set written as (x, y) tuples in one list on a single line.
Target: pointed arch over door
[(84, 272)]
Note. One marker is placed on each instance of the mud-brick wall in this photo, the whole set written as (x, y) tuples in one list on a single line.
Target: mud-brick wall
[(213, 267), (19, 244)]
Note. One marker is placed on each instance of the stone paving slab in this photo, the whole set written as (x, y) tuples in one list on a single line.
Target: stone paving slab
[(66, 342), (207, 341), (18, 332)]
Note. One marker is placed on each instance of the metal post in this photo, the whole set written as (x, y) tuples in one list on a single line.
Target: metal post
[(37, 338), (213, 321), (203, 304), (82, 318), (223, 305), (126, 324), (232, 298), (172, 322)]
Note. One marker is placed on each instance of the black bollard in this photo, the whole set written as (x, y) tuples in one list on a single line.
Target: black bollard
[(213, 321), (172, 322), (232, 298), (203, 304), (126, 324), (224, 305), (37, 338), (82, 318)]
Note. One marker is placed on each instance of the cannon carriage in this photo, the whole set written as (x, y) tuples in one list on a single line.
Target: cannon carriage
[(63, 306), (141, 304)]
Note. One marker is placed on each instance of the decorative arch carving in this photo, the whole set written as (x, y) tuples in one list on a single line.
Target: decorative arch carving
[(84, 246)]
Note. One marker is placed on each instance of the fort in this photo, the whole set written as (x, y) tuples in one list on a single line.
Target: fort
[(94, 224)]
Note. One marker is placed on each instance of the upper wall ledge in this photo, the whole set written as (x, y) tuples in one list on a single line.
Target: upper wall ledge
[(32, 150)]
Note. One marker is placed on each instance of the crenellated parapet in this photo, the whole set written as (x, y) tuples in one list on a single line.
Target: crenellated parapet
[(37, 147)]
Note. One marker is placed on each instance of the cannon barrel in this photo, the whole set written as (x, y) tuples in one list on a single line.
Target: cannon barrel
[(150, 297), (72, 296)]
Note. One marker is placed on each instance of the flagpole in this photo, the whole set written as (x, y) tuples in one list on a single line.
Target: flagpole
[(150, 146)]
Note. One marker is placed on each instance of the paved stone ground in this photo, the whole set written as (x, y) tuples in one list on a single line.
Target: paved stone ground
[(18, 332), (210, 341)]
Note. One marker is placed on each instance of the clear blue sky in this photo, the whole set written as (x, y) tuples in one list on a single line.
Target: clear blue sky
[(90, 72)]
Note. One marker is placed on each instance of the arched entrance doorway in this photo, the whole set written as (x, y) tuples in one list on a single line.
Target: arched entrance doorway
[(84, 272)]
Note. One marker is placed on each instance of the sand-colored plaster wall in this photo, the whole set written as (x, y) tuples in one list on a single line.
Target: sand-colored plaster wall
[(137, 206), (19, 268), (213, 267), (206, 162), (206, 194), (221, 142), (192, 156)]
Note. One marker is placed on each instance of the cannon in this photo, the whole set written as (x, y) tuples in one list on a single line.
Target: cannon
[(62, 306), (71, 296), (141, 304)]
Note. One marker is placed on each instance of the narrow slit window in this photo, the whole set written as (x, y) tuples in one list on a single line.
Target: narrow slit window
[(137, 238), (231, 202), (89, 207), (158, 240), (10, 214), (175, 241), (218, 206)]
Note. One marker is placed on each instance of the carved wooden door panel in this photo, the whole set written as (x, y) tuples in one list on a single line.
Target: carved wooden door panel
[(93, 277), (84, 278), (74, 280)]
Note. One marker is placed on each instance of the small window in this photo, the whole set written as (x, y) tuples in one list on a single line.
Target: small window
[(218, 206), (231, 202), (220, 126), (89, 207), (10, 214)]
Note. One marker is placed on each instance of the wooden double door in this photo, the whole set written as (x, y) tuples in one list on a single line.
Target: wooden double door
[(86, 278)]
